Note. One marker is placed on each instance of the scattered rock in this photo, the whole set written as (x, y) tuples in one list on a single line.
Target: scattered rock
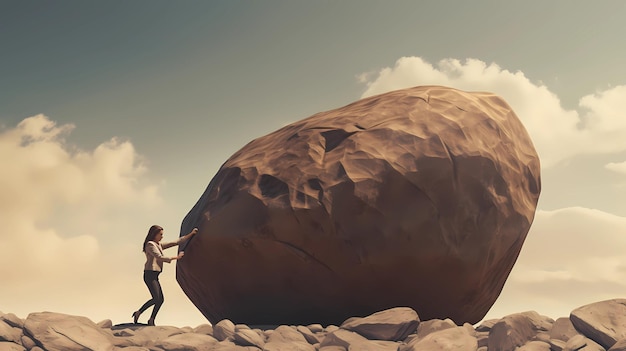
[(10, 346), (315, 328), (333, 348), (451, 339), (223, 330), (581, 343), (286, 334), (248, 337), (187, 342), (486, 325), (540, 323), (27, 342), (433, 325), (204, 329), (12, 320), (557, 344), (620, 345), (376, 345), (526, 331), (9, 333), (288, 346), (562, 329), (515, 330), (482, 338), (62, 332), (542, 336), (343, 338), (106, 324), (576, 342), (308, 335), (393, 324), (534, 346), (604, 321), (331, 328), (239, 327), (141, 335)]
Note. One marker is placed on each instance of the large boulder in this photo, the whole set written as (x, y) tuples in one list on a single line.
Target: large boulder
[(420, 197)]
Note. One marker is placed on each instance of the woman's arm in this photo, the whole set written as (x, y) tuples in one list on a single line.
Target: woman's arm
[(181, 240), (188, 236), (154, 251)]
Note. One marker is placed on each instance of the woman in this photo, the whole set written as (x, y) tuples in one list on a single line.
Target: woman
[(153, 249)]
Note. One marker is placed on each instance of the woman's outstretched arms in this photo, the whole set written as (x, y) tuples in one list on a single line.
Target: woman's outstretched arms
[(151, 247), (181, 240)]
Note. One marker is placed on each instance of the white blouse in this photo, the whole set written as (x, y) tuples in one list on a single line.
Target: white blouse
[(154, 255)]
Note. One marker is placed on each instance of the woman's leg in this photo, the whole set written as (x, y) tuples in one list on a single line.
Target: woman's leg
[(151, 278), (157, 297)]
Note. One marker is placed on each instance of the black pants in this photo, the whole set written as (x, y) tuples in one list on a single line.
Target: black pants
[(151, 278)]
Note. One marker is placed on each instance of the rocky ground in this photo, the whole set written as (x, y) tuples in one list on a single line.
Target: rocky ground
[(597, 326)]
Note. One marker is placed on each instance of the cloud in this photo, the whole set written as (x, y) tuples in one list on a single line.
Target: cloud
[(72, 223), (571, 257), (606, 110), (557, 133), (616, 167)]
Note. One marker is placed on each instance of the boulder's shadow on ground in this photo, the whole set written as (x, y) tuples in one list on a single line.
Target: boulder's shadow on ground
[(135, 326), (132, 326), (264, 326)]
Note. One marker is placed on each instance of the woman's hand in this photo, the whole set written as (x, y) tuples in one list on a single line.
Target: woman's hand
[(180, 255), (183, 239)]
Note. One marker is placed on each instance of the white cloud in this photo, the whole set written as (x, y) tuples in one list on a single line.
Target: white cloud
[(558, 134), (72, 225), (571, 257), (606, 110), (616, 167)]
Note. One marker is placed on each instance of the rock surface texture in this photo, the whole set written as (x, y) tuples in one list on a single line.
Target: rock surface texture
[(396, 329), (428, 192)]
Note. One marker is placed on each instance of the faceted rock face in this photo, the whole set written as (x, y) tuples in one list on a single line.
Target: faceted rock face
[(420, 197)]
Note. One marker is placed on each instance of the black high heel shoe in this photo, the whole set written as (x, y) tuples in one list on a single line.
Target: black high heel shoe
[(151, 322), (136, 316)]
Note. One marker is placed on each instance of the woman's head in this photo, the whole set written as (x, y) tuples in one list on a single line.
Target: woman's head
[(155, 233)]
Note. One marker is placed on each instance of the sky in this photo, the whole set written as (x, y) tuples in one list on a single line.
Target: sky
[(116, 115)]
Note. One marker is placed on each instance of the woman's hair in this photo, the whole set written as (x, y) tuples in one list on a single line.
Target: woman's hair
[(152, 232)]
